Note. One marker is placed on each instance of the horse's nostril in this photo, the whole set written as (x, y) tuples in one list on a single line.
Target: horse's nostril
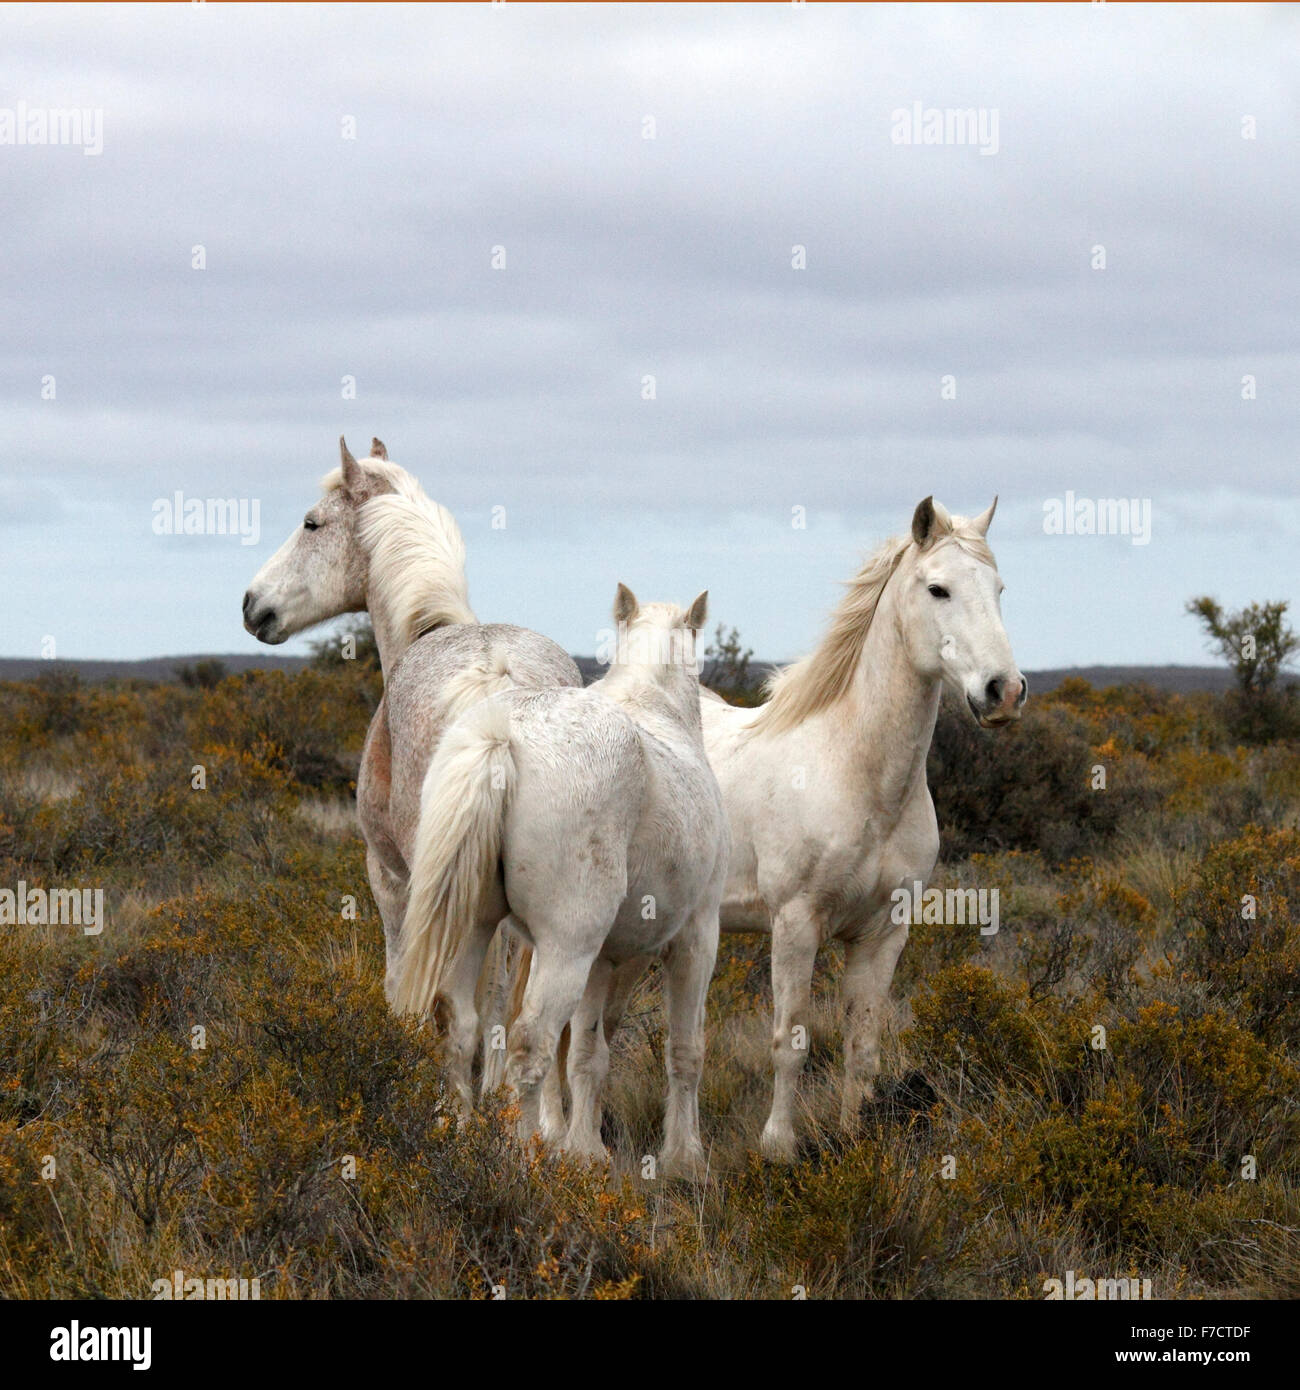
[(248, 601), (993, 692), (1024, 691)]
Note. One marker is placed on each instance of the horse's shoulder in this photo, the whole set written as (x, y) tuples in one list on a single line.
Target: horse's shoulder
[(375, 774)]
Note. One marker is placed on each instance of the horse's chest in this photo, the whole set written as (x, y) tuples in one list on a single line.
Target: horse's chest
[(849, 868)]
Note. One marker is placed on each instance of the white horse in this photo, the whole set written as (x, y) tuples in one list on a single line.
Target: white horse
[(593, 818), (376, 542), (826, 792)]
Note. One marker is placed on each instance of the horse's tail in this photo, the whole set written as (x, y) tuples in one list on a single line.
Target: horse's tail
[(457, 846), (476, 682)]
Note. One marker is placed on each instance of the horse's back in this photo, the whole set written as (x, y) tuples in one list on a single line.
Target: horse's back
[(580, 782), (606, 811), (439, 677), (432, 661), (574, 753)]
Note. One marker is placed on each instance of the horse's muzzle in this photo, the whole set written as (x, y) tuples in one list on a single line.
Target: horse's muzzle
[(1002, 703), (260, 623)]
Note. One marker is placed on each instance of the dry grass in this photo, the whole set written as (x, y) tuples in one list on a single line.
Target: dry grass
[(1002, 1149)]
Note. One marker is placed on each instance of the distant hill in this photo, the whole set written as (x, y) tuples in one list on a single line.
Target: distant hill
[(164, 668), (154, 668), (1180, 679)]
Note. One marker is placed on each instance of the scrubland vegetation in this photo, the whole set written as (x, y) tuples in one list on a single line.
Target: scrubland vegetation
[(214, 1083)]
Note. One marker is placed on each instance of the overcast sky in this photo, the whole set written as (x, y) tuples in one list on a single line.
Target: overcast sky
[(1166, 135)]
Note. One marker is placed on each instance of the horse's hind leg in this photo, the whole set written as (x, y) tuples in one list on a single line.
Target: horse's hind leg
[(868, 970), (623, 981), (553, 1127), (555, 988), (458, 997), (588, 1064), (688, 968)]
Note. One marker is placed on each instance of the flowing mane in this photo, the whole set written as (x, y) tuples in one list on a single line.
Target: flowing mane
[(807, 687), (417, 554)]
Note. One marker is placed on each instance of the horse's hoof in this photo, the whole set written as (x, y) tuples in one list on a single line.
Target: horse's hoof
[(778, 1146), (689, 1164), (588, 1153)]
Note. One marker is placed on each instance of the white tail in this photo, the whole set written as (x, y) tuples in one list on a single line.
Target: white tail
[(457, 845)]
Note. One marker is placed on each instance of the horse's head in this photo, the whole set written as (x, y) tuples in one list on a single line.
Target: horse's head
[(657, 634), (320, 571), (950, 596)]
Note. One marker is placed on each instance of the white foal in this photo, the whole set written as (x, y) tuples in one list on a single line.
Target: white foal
[(592, 818)]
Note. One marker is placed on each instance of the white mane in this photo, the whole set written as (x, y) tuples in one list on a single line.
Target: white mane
[(417, 553)]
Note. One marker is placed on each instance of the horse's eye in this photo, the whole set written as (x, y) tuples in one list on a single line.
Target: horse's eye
[(938, 591), (310, 525)]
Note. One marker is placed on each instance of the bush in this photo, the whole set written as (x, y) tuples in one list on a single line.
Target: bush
[(1241, 922), (1027, 787), (225, 1091)]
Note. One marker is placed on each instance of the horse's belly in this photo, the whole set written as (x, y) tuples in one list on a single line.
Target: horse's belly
[(745, 915), (646, 922), (647, 939)]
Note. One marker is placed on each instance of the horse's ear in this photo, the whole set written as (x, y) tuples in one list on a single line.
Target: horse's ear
[(981, 522), (625, 605), (353, 480), (377, 450), (929, 520), (697, 612)]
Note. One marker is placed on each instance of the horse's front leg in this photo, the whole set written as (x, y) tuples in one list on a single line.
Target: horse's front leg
[(626, 978), (796, 936), (551, 1101), (390, 892), (385, 865), (869, 963), (688, 968), (505, 956)]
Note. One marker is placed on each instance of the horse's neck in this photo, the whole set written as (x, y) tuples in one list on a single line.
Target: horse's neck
[(663, 700), (889, 717), (390, 634)]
